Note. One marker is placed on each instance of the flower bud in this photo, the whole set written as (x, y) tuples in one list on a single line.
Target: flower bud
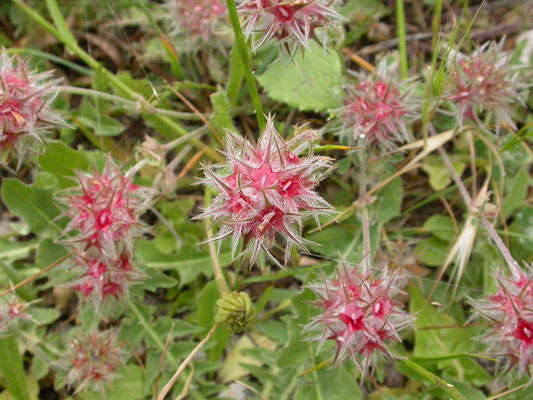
[(235, 311)]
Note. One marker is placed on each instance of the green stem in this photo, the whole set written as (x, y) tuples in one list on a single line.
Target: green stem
[(217, 271), (55, 59), (400, 20), (437, 14), (250, 79), (153, 335), (134, 106)]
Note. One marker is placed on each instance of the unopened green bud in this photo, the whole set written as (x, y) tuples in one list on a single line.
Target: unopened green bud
[(235, 311)]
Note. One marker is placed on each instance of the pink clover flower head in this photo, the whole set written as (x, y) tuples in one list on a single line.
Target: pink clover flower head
[(105, 211), (510, 312), (198, 19), (378, 107), (267, 191), (102, 278), (484, 85), (25, 97), (359, 313), (290, 22), (92, 360)]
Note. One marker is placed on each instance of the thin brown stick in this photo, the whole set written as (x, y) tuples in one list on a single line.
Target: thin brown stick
[(162, 359), (186, 362), (196, 111), (509, 391), (359, 61), (250, 388), (187, 385), (38, 274), (192, 162)]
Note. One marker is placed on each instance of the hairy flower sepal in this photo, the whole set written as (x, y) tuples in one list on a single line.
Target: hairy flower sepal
[(236, 311)]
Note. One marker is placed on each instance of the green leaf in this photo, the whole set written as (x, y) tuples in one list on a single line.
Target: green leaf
[(390, 201), (128, 386), (221, 119), (419, 373), (12, 251), (517, 193), (205, 317), (44, 316), (12, 370), (329, 388), (62, 162), (48, 253), (441, 227), (432, 251), (157, 279), (439, 177), (445, 342), (189, 261), (311, 82), (101, 124), (34, 205)]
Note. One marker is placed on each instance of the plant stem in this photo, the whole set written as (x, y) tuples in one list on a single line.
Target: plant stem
[(437, 14), (367, 256), (38, 274), (217, 271), (186, 362), (153, 335), (402, 37), (250, 79), (138, 106)]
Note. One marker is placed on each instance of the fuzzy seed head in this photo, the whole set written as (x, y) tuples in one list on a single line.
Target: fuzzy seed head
[(267, 191), (292, 23), (359, 313), (378, 108), (92, 361), (25, 97), (198, 19), (485, 86), (509, 313)]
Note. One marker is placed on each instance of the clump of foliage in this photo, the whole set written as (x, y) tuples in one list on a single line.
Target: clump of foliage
[(264, 199)]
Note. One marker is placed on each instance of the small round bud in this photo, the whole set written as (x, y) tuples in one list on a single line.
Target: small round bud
[(236, 311)]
